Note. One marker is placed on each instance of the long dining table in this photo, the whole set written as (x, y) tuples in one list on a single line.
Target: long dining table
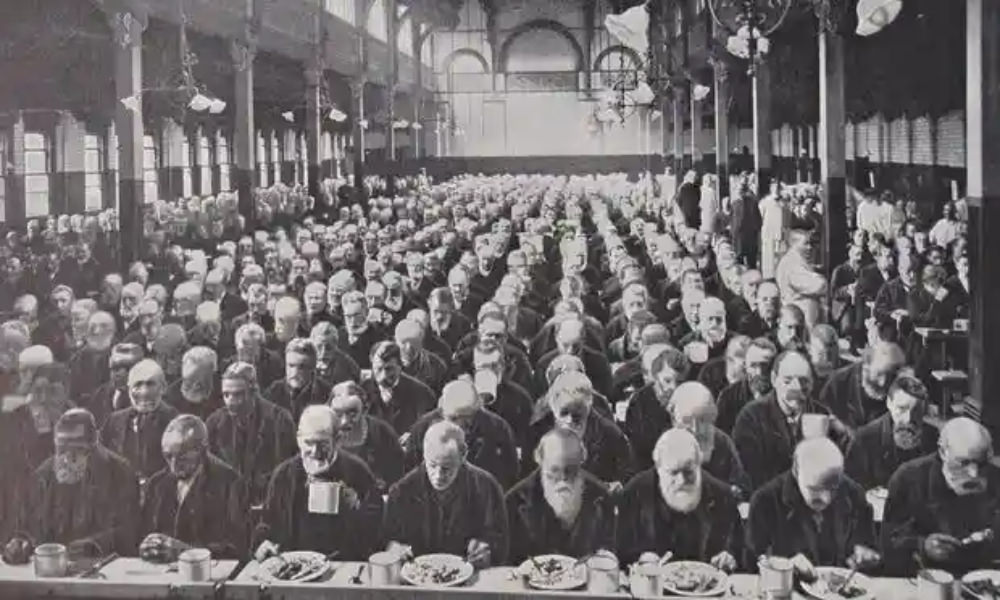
[(137, 579)]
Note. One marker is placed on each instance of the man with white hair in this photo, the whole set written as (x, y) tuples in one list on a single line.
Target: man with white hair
[(287, 317), (316, 311), (196, 392), (332, 364), (489, 438), (418, 362), (711, 331), (134, 433), (150, 318), (676, 508), (942, 508), (687, 321), (857, 393), (128, 307), (447, 505), (692, 407), (560, 508), (570, 337), (369, 438), (358, 336), (291, 522), (231, 305), (814, 514), (187, 297)]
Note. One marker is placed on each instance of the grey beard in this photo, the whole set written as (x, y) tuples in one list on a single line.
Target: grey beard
[(566, 506), (67, 472)]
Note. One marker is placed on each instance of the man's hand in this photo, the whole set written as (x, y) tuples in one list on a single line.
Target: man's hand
[(648, 557), (804, 568), (941, 547), (349, 498), (615, 488), (157, 547), (864, 558), (404, 440), (266, 550), (724, 561), (478, 553), (941, 294)]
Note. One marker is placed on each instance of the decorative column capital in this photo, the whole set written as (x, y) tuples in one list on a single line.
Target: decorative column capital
[(126, 27), (243, 53)]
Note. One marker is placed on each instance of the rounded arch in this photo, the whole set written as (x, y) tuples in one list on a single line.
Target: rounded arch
[(456, 54), (632, 54), (536, 25)]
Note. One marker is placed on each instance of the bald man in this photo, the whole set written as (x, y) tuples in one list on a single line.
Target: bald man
[(570, 336), (814, 513), (196, 501), (288, 523), (135, 432), (676, 507), (418, 362), (447, 505), (857, 393), (489, 438), (560, 508), (369, 438), (937, 502)]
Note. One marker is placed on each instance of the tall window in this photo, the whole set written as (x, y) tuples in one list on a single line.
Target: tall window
[(276, 157), (3, 176), (304, 158), (186, 186), (343, 9), (262, 169), (36, 174), (93, 178), (151, 178), (223, 161), (205, 165)]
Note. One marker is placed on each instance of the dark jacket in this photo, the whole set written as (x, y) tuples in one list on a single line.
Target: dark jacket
[(174, 396), (609, 454), (280, 393), (921, 503), (430, 521), (873, 456), (645, 421), (458, 327), (490, 444), (726, 466), (535, 529), (338, 368), (136, 437), (780, 523), (731, 401), (429, 369), (361, 349), (844, 395), (381, 452), (411, 399), (212, 516), (647, 524)]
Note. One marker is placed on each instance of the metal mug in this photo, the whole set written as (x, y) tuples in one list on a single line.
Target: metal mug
[(602, 575), (383, 569), (646, 580), (776, 577), (195, 564), (51, 560), (935, 584), (324, 497), (815, 425)]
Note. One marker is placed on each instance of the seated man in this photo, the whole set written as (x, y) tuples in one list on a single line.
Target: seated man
[(676, 507), (900, 435), (332, 364), (857, 393), (940, 505), (197, 501), (288, 524), (301, 386), (197, 391), (489, 438), (392, 395), (369, 438), (84, 496), (447, 505), (813, 513), (570, 340), (693, 408), (419, 363), (648, 412), (560, 508), (756, 383)]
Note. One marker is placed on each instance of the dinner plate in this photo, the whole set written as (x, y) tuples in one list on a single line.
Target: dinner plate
[(575, 577), (319, 567), (410, 573), (672, 569), (989, 574), (820, 589)]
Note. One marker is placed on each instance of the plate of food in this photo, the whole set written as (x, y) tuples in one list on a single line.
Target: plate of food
[(830, 580), (437, 570), (690, 578), (554, 572), (982, 585), (294, 567)]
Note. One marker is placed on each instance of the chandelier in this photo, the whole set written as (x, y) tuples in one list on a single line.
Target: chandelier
[(748, 24)]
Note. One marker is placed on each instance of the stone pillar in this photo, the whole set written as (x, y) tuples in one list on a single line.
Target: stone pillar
[(127, 29), (696, 154), (982, 115), (762, 151), (833, 149), (392, 24), (722, 128), (244, 134), (358, 133), (314, 132), (678, 133)]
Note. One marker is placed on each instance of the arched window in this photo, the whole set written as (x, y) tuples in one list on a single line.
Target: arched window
[(612, 63), (541, 50), (405, 39), (377, 22)]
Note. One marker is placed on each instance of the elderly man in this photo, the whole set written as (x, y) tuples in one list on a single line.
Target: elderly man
[(251, 434), (332, 364), (570, 406), (314, 299), (135, 432), (466, 301), (798, 280), (197, 501), (764, 320), (813, 513), (291, 522), (358, 335), (89, 365), (900, 435), (113, 394), (493, 330), (648, 412), (300, 386), (447, 505), (197, 391), (392, 395), (768, 428), (756, 383), (692, 407), (560, 508), (369, 438), (498, 392), (84, 496), (711, 331), (257, 310), (150, 318), (676, 507), (942, 505), (418, 362), (287, 316), (187, 297), (447, 323), (570, 340), (727, 369), (488, 437), (857, 393), (249, 341), (215, 287)]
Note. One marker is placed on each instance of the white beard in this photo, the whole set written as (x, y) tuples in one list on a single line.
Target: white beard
[(313, 466), (684, 500), (565, 503)]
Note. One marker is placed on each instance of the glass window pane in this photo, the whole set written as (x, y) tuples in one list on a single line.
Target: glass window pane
[(94, 199), (36, 184), (34, 141), (36, 204), (36, 161)]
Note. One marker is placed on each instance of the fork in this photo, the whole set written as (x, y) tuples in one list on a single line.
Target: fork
[(850, 576)]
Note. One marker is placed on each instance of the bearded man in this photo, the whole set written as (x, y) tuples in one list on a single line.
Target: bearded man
[(89, 366), (648, 412), (196, 392), (300, 386), (675, 507), (84, 496), (757, 363), (711, 329), (369, 438), (857, 393), (289, 522), (560, 508), (332, 365)]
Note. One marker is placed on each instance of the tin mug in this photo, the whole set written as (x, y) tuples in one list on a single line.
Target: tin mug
[(383, 569), (195, 564), (602, 575), (51, 560)]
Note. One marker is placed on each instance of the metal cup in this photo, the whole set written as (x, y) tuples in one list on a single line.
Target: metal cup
[(776, 577), (383, 569), (646, 580), (51, 560), (324, 497), (195, 564), (815, 425), (935, 584), (602, 575)]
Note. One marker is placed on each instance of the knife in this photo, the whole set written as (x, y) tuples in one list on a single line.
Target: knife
[(96, 568)]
